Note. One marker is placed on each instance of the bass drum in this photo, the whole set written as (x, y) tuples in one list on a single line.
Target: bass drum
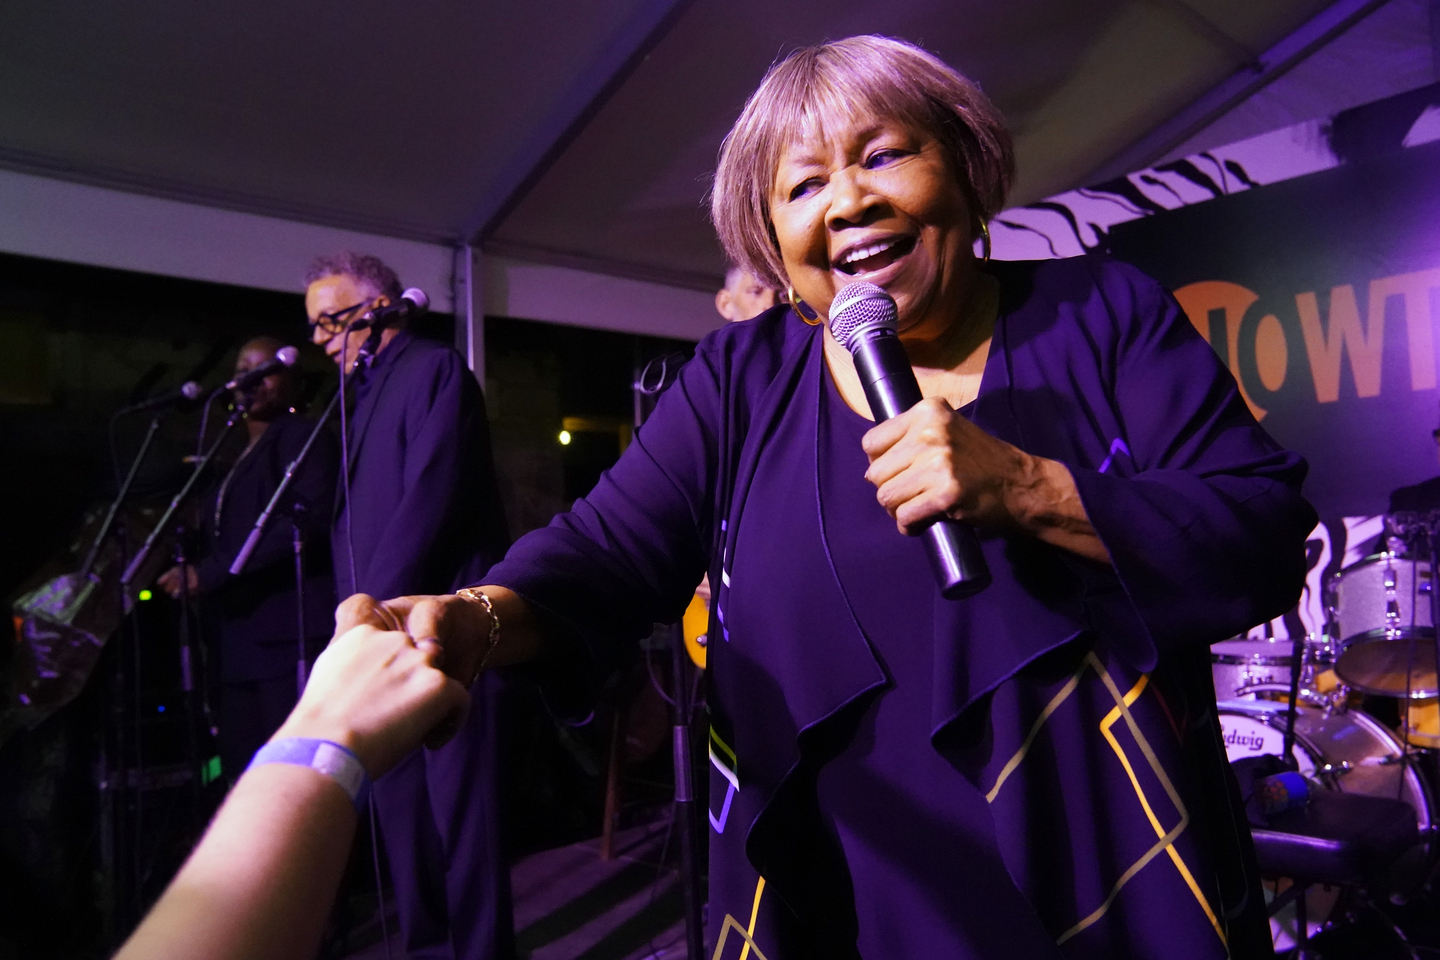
[(1347, 751)]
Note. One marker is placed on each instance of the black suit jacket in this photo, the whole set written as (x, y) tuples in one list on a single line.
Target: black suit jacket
[(426, 514), (1422, 496), (258, 616)]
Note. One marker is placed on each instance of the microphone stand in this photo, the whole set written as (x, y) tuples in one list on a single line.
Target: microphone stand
[(187, 674), (1297, 656), (686, 805), (253, 540), (122, 760), (686, 810), (119, 837), (138, 560), (1432, 541), (298, 544), (121, 495)]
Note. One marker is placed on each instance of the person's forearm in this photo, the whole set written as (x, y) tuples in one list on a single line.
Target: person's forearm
[(263, 877), (1047, 505)]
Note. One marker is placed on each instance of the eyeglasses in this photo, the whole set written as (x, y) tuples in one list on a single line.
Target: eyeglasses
[(337, 321)]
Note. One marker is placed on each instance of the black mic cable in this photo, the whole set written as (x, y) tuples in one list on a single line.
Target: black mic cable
[(361, 357)]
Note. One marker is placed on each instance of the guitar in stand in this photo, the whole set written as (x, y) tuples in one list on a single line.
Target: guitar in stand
[(68, 611)]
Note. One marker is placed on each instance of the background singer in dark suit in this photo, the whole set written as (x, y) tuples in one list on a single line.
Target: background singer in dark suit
[(256, 611), (423, 517)]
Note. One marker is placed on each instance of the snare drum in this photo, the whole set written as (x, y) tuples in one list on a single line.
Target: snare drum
[(1244, 668), (1239, 666), (1381, 609)]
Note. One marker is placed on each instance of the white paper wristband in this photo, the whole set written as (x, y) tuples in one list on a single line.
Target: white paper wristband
[(331, 759)]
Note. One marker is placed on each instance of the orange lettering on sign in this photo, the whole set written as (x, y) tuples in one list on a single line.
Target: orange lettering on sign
[(1198, 299), (1327, 340), (1271, 356), (1345, 334), (1415, 288)]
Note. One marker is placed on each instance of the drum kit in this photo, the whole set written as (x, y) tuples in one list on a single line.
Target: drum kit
[(1376, 658)]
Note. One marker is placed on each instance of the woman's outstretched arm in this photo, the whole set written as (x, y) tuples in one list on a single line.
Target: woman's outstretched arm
[(261, 882)]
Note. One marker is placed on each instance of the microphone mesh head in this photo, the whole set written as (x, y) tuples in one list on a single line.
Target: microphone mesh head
[(861, 305), (287, 356), (190, 390), (417, 296)]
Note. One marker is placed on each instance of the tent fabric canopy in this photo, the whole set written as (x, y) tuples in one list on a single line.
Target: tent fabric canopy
[(582, 135)]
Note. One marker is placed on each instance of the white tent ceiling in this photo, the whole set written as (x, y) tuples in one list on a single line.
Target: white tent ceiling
[(578, 135)]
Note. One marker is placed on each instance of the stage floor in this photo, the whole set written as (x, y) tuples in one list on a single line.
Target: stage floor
[(572, 905)]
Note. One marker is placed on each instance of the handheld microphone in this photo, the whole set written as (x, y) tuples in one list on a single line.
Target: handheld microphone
[(865, 321), (284, 357), (412, 303), (189, 390)]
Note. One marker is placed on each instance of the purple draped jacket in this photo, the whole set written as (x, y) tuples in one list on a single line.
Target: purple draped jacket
[(1075, 696)]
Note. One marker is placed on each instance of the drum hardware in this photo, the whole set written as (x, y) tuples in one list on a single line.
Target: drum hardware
[(1348, 752), (1345, 751)]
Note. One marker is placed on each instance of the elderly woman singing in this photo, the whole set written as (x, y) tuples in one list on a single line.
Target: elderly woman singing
[(1031, 771)]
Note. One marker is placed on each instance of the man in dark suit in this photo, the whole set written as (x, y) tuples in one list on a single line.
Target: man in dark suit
[(1422, 496), (419, 513), (257, 611)]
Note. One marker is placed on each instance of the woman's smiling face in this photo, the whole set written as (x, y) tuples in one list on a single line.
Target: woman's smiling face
[(877, 201)]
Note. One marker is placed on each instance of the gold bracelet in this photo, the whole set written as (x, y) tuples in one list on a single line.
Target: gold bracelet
[(492, 639)]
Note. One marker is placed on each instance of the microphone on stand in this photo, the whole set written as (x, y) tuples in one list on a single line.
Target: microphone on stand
[(187, 391), (284, 357), (865, 321), (412, 303)]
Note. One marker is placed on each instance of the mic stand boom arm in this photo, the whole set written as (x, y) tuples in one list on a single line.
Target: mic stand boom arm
[(253, 540), (138, 560), (120, 497)]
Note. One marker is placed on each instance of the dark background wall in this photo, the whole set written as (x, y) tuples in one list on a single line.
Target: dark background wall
[(78, 343)]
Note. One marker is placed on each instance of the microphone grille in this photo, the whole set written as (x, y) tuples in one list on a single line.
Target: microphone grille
[(287, 356), (190, 390), (417, 296), (861, 305)]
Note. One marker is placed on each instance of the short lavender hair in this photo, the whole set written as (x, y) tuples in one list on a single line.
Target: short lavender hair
[(866, 76), (367, 271)]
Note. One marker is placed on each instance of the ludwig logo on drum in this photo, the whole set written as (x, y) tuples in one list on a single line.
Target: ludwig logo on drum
[(1243, 738)]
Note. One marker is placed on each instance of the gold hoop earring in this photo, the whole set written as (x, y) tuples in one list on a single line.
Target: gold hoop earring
[(800, 306), (985, 241)]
